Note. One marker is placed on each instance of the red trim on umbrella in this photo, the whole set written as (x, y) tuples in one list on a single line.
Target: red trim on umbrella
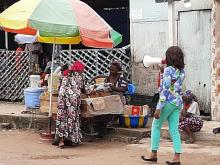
[(98, 43), (28, 31)]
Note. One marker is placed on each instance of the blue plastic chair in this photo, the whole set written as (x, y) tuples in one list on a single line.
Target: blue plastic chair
[(129, 92)]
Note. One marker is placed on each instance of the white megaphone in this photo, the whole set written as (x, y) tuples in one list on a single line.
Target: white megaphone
[(148, 61)]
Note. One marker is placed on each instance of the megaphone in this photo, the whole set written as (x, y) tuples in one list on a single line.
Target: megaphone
[(148, 61)]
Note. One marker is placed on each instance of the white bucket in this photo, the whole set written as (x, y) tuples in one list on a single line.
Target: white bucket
[(34, 81)]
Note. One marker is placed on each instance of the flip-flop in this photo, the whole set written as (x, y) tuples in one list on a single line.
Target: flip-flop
[(150, 160), (172, 163), (189, 142)]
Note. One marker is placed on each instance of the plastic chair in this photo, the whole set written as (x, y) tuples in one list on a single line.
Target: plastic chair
[(131, 89), (129, 92)]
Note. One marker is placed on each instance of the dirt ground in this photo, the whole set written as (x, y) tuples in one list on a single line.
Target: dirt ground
[(23, 148)]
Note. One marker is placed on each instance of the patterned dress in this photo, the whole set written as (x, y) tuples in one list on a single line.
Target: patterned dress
[(68, 115), (193, 119)]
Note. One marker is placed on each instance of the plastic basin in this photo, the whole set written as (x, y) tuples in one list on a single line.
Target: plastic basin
[(133, 121)]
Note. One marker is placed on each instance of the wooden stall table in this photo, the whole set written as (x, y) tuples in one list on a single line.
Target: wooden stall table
[(101, 103)]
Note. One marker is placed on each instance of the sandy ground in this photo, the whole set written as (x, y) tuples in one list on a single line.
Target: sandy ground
[(23, 148)]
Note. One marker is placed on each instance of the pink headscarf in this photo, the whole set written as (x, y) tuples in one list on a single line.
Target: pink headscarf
[(77, 66)]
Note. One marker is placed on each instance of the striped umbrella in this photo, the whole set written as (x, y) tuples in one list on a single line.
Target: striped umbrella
[(57, 19)]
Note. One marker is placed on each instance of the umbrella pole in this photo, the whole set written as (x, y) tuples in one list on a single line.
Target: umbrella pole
[(48, 136), (6, 40), (51, 91)]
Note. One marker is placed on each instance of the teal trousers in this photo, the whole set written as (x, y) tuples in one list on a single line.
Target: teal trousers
[(170, 113)]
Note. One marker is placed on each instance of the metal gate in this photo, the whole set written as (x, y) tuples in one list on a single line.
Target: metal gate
[(14, 74)]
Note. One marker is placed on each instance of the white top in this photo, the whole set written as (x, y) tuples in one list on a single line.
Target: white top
[(194, 108)]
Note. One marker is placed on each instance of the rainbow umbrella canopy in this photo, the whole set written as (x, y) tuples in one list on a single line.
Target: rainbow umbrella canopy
[(59, 22)]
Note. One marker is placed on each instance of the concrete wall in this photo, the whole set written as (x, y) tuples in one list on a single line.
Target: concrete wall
[(215, 94), (149, 35)]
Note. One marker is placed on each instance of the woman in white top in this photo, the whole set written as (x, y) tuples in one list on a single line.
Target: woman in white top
[(190, 120)]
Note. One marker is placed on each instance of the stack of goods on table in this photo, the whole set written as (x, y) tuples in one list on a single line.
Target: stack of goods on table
[(99, 103)]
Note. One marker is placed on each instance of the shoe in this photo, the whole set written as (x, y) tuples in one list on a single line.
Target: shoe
[(172, 163), (56, 141), (152, 160), (216, 130)]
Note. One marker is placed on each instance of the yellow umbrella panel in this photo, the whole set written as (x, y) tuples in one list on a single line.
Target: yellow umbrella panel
[(59, 40)]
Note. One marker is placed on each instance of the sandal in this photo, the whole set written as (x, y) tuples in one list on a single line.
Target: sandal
[(189, 141), (150, 160), (172, 163)]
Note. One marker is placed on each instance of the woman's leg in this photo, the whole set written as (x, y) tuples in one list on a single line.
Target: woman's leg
[(173, 121), (156, 128), (190, 134)]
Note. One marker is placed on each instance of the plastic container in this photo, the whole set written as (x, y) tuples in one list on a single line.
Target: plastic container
[(34, 81), (130, 121), (131, 89), (129, 93), (32, 97)]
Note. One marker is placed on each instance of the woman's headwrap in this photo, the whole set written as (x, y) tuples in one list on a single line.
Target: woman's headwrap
[(189, 96), (65, 72), (188, 93), (77, 66)]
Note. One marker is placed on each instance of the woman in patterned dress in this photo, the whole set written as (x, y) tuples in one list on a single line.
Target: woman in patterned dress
[(190, 120), (68, 115)]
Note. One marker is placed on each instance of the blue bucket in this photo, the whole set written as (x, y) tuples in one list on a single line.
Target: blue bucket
[(32, 97)]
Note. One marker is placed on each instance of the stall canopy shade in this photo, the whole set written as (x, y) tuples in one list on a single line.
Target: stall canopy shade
[(60, 18)]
